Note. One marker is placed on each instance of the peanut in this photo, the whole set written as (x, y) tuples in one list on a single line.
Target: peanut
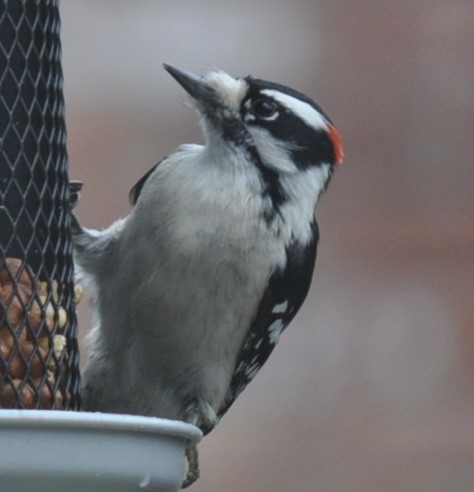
[(11, 395)]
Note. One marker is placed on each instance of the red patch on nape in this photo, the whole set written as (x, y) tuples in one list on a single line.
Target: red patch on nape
[(336, 141)]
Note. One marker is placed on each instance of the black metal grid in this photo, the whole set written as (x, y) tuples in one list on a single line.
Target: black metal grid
[(37, 309)]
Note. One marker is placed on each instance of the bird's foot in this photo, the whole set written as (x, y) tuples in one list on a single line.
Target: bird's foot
[(192, 458), (201, 414)]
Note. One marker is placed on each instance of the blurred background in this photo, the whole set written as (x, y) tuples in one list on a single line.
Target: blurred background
[(372, 386)]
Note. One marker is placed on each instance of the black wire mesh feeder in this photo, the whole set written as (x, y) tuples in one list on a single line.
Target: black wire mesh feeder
[(39, 357), (38, 349)]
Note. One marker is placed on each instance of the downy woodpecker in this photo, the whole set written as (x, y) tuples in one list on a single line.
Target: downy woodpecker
[(193, 288)]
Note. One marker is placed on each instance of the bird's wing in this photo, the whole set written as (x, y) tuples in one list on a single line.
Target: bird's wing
[(284, 295), (138, 186)]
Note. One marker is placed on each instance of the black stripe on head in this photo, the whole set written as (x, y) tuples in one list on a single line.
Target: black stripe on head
[(257, 85), (306, 145)]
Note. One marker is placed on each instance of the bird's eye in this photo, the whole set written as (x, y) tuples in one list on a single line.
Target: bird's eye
[(264, 109)]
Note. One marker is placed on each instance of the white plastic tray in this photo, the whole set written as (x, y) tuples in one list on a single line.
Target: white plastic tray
[(55, 451)]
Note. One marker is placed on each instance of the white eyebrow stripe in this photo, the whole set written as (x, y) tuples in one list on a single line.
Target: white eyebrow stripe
[(305, 111)]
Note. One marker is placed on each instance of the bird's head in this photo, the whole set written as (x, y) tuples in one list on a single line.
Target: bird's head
[(288, 130)]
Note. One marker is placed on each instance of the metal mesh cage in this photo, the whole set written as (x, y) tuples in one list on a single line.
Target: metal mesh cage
[(38, 347)]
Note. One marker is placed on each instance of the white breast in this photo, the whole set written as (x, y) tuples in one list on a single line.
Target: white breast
[(212, 257)]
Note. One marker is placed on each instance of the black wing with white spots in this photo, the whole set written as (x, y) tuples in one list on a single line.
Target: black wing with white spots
[(286, 291)]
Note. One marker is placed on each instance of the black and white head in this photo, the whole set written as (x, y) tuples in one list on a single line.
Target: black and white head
[(285, 136)]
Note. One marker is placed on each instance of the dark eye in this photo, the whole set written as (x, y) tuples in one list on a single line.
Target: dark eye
[(264, 108)]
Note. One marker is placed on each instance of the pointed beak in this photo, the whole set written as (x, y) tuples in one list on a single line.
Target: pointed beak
[(192, 84)]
